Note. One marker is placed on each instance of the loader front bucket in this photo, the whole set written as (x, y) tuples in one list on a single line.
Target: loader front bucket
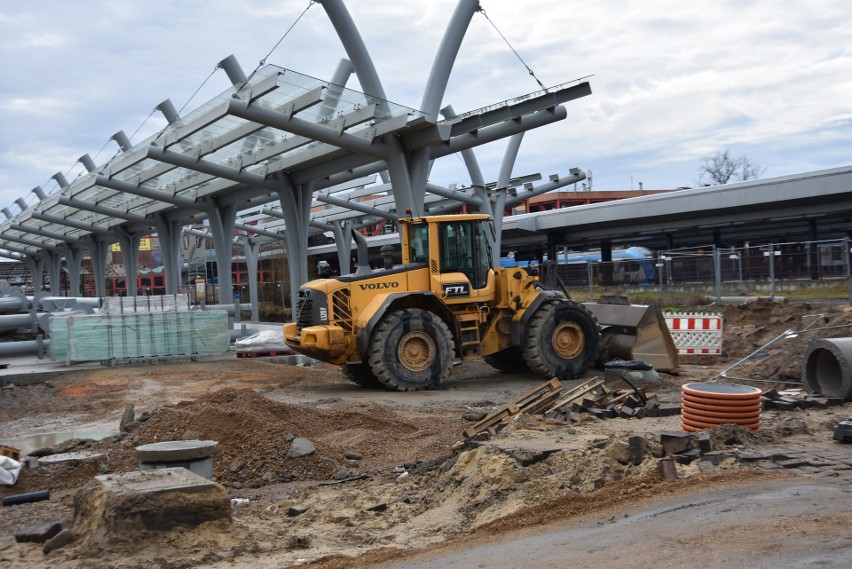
[(635, 332)]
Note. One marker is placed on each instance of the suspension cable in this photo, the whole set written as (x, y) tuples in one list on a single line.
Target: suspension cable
[(540, 84), (215, 69), (262, 62)]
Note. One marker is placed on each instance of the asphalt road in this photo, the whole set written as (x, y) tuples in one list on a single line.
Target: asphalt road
[(770, 524)]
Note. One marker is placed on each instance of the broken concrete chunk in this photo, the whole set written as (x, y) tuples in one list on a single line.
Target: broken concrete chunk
[(668, 470), (301, 447), (296, 510), (58, 541), (675, 442), (127, 417), (38, 533), (638, 447)]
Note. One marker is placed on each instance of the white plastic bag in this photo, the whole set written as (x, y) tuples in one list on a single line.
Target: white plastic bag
[(9, 470)]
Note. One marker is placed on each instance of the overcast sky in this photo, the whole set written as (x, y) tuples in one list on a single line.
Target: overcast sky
[(672, 81)]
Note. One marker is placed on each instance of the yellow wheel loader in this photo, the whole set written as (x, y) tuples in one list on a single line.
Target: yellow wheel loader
[(404, 327)]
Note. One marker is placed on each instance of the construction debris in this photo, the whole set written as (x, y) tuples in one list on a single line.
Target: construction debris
[(534, 401), (591, 397)]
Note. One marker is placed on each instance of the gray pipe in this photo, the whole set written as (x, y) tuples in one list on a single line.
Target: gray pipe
[(58, 303), (12, 304), (38, 347), (828, 368), (10, 322), (242, 332)]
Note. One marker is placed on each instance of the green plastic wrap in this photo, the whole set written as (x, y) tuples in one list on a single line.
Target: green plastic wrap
[(87, 337)]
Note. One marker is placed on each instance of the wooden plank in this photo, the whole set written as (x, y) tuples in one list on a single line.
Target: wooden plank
[(533, 399)]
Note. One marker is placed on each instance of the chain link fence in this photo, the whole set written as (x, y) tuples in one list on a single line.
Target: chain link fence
[(759, 270)]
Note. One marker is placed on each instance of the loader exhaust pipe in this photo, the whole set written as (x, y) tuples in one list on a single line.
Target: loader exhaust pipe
[(363, 266)]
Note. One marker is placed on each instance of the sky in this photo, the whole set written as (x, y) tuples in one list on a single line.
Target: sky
[(672, 82)]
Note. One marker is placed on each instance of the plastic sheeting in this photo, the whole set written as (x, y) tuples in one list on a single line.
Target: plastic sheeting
[(88, 337), (9, 470)]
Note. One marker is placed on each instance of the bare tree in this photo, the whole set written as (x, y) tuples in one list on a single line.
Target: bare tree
[(723, 168)]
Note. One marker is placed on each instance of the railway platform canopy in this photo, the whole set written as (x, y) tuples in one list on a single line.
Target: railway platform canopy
[(284, 143)]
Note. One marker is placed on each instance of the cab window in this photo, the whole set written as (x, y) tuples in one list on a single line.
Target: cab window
[(418, 243), (464, 249)]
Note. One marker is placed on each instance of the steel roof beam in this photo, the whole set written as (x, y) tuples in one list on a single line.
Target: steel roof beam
[(212, 168), (149, 193), (30, 242), (109, 211), (57, 220), (357, 206), (295, 125), (45, 233)]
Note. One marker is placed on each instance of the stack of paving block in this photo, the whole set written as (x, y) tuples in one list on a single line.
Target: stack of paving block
[(118, 335)]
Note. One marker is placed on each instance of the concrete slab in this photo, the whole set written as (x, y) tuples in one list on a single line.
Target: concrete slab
[(172, 451), (116, 506), (160, 481), (79, 456)]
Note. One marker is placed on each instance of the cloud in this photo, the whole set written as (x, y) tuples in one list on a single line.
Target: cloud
[(672, 81)]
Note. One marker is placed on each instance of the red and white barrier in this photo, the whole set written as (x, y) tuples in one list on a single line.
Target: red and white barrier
[(695, 333)]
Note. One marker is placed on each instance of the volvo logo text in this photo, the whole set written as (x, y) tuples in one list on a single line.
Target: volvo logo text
[(378, 286)]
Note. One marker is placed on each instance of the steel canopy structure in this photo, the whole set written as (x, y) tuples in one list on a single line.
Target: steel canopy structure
[(285, 139)]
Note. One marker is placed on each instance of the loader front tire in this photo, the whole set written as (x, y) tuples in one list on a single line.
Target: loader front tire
[(361, 374), (510, 360), (411, 350), (562, 340)]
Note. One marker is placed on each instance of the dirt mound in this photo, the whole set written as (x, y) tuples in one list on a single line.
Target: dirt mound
[(749, 328), (255, 435)]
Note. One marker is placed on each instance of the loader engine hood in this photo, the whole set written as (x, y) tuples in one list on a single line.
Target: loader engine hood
[(311, 307)]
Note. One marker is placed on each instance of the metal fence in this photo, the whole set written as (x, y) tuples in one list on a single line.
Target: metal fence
[(766, 269)]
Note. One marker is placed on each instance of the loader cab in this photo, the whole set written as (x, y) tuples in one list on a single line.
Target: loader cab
[(457, 252)]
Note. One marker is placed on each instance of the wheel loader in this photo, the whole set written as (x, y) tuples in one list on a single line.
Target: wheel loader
[(404, 327)]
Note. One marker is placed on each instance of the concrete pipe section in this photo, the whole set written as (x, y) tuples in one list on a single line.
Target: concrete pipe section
[(828, 368)]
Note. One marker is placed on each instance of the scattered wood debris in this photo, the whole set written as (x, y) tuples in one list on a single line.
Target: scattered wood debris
[(591, 397)]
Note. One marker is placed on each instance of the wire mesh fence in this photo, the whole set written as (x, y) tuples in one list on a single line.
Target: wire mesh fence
[(766, 269)]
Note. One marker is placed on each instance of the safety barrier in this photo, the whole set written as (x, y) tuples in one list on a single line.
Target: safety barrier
[(695, 333)]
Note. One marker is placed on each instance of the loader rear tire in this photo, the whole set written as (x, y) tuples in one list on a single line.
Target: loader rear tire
[(411, 350), (361, 374), (510, 360), (561, 340)]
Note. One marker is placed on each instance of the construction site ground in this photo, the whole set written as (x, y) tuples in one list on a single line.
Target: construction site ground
[(393, 482)]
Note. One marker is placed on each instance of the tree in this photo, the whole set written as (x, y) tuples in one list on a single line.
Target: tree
[(722, 168)]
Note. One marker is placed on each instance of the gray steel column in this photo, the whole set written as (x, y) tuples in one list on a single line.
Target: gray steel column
[(398, 163), (36, 266), (442, 65), (74, 262), (343, 242), (122, 140), (508, 164), (129, 243), (296, 208), (347, 31), (222, 219), (54, 272), (477, 182), (234, 71), (436, 86), (331, 98), (98, 248), (251, 250), (169, 232)]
